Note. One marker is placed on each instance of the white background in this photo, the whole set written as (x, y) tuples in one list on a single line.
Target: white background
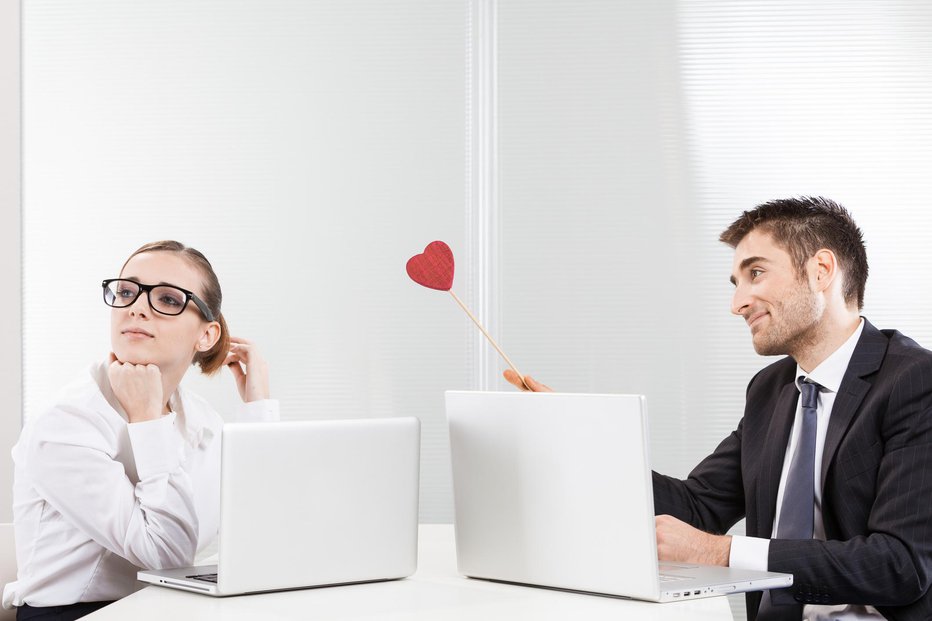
[(309, 148), (10, 250)]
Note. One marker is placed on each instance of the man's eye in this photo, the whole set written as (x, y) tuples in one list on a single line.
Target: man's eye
[(755, 273)]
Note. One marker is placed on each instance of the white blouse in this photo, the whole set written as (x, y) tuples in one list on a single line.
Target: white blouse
[(96, 498)]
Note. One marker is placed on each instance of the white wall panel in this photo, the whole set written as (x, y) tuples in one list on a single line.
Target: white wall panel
[(11, 377), (598, 232), (308, 148)]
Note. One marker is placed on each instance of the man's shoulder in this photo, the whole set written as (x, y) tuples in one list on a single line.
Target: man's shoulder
[(905, 355), (903, 345), (894, 364), (780, 372)]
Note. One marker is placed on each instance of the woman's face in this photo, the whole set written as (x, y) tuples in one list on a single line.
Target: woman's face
[(139, 335)]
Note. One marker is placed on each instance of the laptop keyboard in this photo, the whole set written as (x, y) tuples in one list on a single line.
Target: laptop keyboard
[(666, 578), (204, 577)]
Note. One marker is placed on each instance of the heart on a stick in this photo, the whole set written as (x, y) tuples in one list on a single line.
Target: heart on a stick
[(433, 268)]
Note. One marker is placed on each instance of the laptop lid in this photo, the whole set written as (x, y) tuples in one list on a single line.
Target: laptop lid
[(312, 503), (555, 490), (544, 485)]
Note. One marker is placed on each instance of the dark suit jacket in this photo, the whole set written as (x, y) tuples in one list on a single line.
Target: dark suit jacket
[(876, 482)]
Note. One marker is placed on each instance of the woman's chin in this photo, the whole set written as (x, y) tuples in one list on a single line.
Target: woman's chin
[(132, 358)]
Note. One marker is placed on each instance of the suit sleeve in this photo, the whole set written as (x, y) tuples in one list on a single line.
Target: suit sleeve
[(712, 496), (891, 564)]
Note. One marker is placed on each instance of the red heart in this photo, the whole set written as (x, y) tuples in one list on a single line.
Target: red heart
[(434, 268)]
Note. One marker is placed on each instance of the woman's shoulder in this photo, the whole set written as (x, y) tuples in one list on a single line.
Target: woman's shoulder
[(78, 404)]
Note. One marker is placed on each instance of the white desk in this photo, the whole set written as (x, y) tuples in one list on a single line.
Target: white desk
[(435, 592)]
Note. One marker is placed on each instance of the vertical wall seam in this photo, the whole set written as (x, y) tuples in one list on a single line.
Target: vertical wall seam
[(482, 218)]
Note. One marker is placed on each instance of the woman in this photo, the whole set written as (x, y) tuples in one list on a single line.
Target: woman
[(123, 472)]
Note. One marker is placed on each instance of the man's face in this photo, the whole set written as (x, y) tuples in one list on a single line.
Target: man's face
[(780, 308)]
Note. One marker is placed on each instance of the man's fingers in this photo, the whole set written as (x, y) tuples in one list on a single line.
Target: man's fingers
[(529, 383), (536, 386), (514, 379)]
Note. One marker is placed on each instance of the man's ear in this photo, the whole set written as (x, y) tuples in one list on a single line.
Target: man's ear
[(824, 269)]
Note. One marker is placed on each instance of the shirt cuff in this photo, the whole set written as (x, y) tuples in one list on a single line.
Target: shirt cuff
[(749, 553), (261, 411), (153, 449)]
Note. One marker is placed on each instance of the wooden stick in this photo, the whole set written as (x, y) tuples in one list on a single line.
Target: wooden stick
[(491, 340)]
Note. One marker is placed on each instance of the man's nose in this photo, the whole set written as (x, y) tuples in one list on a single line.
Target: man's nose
[(740, 300)]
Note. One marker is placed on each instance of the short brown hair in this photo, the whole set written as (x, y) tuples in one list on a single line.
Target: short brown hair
[(805, 225), (211, 360)]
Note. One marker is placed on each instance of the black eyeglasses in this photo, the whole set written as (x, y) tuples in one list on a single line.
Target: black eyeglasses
[(164, 299)]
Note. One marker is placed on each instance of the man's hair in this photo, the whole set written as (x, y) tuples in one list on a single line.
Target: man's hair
[(805, 225)]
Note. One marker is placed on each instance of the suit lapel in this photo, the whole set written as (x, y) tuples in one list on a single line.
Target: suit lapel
[(773, 454), (866, 359)]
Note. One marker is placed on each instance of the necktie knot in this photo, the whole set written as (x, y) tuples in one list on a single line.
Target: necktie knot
[(809, 394)]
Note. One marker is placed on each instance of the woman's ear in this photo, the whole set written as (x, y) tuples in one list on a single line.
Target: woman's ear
[(209, 337)]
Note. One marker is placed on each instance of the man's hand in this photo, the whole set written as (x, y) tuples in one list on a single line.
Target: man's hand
[(679, 542), (514, 379), (138, 388)]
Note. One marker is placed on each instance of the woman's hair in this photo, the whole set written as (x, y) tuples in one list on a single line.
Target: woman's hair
[(211, 360)]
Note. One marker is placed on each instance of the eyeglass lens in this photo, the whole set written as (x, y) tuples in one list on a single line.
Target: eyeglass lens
[(164, 299)]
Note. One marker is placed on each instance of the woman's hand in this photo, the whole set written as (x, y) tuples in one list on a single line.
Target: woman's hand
[(529, 382), (250, 370), (138, 388)]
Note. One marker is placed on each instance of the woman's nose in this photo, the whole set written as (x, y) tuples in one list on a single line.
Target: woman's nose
[(141, 306)]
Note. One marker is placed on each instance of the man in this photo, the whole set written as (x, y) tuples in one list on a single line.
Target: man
[(832, 462)]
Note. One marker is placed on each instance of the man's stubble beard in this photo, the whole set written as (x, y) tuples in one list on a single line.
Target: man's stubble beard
[(799, 329)]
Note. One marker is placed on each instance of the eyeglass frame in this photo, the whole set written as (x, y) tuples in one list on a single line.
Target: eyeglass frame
[(188, 296)]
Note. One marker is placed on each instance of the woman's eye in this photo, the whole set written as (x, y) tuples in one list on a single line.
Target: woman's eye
[(169, 300), (125, 293)]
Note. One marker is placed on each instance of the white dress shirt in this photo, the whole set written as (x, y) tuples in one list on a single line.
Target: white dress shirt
[(752, 552), (96, 498)]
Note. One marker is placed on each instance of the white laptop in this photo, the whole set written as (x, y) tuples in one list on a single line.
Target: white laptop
[(312, 503), (554, 490)]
